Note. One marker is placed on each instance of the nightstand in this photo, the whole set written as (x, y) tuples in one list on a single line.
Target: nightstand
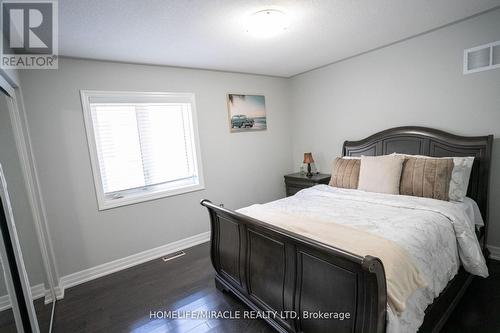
[(296, 181)]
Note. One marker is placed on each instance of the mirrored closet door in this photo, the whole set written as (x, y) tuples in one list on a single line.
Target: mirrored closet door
[(26, 297)]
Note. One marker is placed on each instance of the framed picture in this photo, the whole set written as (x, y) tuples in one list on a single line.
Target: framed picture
[(246, 112)]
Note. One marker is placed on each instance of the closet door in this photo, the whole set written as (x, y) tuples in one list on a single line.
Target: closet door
[(18, 313), (25, 276)]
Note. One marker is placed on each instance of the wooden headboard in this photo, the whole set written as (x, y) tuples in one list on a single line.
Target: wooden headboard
[(431, 142)]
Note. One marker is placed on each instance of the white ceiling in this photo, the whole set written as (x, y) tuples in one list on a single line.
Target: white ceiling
[(210, 33)]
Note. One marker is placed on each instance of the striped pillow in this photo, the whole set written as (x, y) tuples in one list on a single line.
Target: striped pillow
[(426, 177), (345, 173)]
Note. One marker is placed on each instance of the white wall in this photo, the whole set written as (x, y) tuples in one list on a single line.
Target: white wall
[(240, 168), (416, 82)]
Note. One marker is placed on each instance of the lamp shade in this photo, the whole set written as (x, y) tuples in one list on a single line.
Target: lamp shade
[(308, 158)]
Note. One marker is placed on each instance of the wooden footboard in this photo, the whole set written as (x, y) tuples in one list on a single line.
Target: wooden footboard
[(297, 284)]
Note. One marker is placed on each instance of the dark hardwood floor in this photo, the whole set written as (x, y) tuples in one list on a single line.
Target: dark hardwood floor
[(478, 311), (122, 302)]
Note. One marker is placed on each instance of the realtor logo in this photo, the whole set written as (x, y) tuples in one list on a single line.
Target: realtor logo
[(29, 34)]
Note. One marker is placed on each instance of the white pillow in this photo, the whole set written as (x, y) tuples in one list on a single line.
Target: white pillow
[(460, 177), (462, 167), (380, 174)]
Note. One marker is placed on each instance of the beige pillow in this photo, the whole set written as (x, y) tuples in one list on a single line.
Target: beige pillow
[(460, 176), (426, 177), (380, 174), (345, 173)]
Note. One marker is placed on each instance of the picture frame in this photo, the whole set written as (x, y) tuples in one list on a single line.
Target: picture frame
[(246, 112)]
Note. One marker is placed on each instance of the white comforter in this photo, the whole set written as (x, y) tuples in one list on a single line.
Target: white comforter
[(439, 235)]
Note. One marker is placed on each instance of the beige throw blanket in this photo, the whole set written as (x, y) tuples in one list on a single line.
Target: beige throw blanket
[(403, 278)]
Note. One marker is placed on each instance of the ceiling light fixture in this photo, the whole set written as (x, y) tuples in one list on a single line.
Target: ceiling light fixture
[(267, 23)]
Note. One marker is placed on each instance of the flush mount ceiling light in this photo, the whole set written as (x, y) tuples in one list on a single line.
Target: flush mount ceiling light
[(266, 23)]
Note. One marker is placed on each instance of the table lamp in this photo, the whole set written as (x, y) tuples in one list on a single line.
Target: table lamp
[(308, 158)]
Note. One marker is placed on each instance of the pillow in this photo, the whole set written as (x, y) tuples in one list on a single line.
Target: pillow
[(460, 177), (380, 174), (462, 167), (345, 173), (426, 177)]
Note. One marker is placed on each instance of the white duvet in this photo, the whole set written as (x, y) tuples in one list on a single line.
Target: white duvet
[(438, 235)]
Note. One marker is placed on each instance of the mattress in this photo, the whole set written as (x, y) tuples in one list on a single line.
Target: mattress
[(438, 235)]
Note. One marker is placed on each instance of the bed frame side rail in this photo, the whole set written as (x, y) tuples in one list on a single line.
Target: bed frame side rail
[(300, 284)]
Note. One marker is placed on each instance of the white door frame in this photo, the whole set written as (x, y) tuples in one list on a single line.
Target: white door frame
[(26, 157)]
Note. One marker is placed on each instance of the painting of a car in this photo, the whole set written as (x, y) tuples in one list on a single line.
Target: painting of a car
[(241, 121), (247, 113)]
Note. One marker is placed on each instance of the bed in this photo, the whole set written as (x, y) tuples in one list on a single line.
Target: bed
[(284, 274)]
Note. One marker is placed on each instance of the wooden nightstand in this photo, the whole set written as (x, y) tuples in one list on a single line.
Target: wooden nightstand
[(296, 181)]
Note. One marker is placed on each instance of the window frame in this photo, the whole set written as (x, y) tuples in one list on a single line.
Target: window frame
[(135, 196)]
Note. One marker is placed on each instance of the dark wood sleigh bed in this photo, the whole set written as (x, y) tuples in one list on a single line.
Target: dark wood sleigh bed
[(271, 269)]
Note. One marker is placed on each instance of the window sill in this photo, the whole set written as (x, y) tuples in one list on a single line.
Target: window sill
[(131, 199)]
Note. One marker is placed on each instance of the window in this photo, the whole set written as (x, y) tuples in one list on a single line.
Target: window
[(143, 146)]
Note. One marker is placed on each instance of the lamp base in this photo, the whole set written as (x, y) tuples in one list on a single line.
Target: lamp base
[(309, 173)]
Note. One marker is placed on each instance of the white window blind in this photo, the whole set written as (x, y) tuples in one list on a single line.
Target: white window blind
[(143, 145)]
